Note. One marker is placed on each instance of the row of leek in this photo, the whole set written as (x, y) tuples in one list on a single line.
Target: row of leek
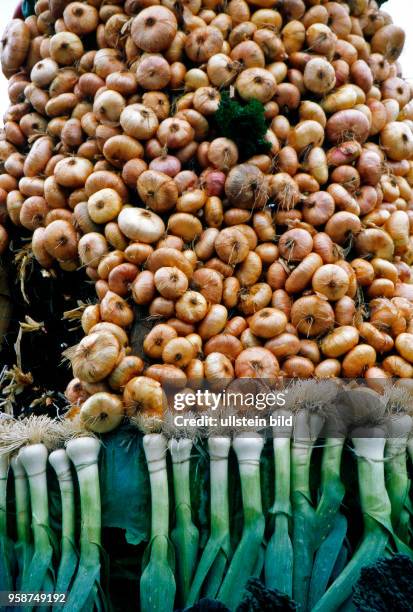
[(36, 562), (298, 547)]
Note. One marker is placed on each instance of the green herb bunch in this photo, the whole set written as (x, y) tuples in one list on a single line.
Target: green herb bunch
[(244, 124)]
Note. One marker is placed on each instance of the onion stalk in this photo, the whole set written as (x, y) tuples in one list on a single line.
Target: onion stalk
[(279, 551), (23, 547), (248, 450), (217, 552), (59, 460), (84, 452)]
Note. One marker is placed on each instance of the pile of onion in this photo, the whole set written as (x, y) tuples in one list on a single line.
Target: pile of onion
[(295, 262)]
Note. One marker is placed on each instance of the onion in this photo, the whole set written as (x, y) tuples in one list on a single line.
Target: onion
[(254, 298), (374, 242), (154, 29), (92, 247), (245, 185), (256, 83), (397, 140), (191, 307), (145, 395), (80, 19), (60, 240), (231, 246), (295, 244), (141, 225), (330, 280), (114, 309), (358, 360), (312, 315), (66, 48), (347, 123), (15, 46), (388, 41), (104, 205), (319, 76), (73, 172), (95, 357), (268, 323), (203, 43), (139, 121), (256, 362)]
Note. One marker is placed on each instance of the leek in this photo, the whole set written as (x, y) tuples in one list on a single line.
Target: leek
[(397, 479), (327, 519), (23, 546), (5, 573), (279, 551), (59, 460), (34, 436), (248, 450), (310, 401), (84, 453), (185, 535), (217, 552), (376, 508), (33, 458), (157, 585)]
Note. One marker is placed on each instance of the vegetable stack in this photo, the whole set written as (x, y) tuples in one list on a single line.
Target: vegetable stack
[(236, 181)]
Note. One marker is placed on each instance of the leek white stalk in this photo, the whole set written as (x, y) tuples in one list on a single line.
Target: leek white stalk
[(279, 551), (185, 535), (23, 546), (5, 574), (157, 585), (84, 454), (248, 450), (59, 460), (217, 552), (34, 460), (376, 508)]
